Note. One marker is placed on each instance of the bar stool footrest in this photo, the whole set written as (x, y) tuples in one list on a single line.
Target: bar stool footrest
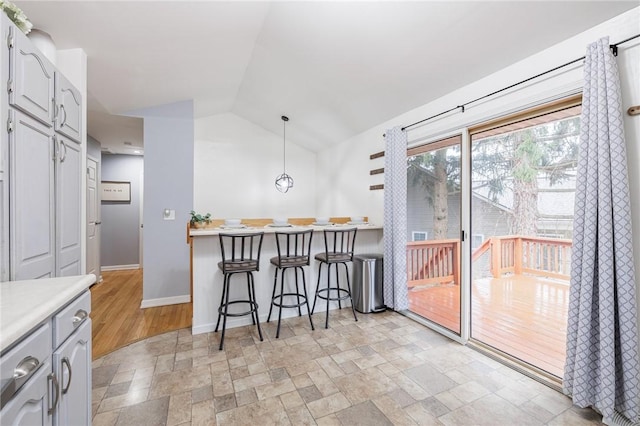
[(254, 308), (329, 297), (303, 300)]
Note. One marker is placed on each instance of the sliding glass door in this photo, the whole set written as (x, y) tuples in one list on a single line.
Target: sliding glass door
[(433, 231), (517, 215), (522, 192)]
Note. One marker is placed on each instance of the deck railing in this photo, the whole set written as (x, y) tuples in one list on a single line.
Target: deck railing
[(433, 262), (549, 257), (438, 261)]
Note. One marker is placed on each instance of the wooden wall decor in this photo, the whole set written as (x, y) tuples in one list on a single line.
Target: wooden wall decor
[(376, 187), (377, 171), (634, 110), (376, 155)]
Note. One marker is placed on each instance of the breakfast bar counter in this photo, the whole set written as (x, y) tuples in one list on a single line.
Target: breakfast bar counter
[(207, 278)]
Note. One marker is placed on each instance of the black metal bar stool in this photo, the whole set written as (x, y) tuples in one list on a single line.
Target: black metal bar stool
[(293, 252), (338, 249), (240, 254)]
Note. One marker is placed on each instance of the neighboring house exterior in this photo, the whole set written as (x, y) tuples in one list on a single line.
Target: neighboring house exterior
[(490, 219)]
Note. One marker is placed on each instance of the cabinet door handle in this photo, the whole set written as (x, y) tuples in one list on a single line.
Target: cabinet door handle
[(64, 117), (56, 387), (64, 156), (65, 361), (55, 109), (79, 317), (23, 371)]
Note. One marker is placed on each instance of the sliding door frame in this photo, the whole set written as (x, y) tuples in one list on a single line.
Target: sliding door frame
[(465, 225)]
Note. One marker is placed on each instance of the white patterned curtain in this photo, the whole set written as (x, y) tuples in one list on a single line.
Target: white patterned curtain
[(602, 367), (395, 220)]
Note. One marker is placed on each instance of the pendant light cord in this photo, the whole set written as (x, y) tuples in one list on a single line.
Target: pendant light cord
[(284, 146)]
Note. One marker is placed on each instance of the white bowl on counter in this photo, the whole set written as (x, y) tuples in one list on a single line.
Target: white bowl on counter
[(279, 221), (322, 220), (232, 222), (357, 219)]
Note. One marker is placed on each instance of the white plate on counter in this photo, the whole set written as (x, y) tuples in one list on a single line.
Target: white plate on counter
[(233, 226), (322, 224), (274, 225)]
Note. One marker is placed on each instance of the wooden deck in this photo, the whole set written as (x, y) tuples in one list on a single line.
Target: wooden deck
[(524, 316)]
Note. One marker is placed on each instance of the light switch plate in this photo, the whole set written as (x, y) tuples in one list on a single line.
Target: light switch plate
[(169, 214)]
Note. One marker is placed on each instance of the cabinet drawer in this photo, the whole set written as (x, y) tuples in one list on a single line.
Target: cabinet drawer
[(71, 317), (30, 406), (24, 360)]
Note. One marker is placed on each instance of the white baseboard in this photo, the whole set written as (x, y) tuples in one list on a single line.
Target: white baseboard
[(246, 320), (119, 267), (231, 323), (163, 301)]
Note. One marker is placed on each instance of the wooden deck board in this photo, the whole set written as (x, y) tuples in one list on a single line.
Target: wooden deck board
[(524, 316)]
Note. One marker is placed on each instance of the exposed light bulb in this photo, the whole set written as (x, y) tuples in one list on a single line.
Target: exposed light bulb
[(284, 182)]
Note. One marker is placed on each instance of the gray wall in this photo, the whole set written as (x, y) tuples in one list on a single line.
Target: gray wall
[(168, 169), (120, 240)]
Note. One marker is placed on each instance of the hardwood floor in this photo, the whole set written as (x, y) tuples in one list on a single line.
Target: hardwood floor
[(118, 319)]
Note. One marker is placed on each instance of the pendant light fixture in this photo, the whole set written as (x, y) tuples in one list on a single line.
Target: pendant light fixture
[(284, 182)]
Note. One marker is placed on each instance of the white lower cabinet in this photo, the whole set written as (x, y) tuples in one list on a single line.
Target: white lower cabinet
[(45, 379), (72, 366), (30, 407)]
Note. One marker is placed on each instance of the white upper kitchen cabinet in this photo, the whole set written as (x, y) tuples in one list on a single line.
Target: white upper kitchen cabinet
[(68, 208), (68, 118), (31, 78), (31, 198), (42, 172)]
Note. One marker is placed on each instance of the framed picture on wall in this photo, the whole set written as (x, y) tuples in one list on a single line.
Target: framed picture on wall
[(113, 191)]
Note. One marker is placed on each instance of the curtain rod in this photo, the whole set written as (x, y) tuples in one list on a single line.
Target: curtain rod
[(613, 47)]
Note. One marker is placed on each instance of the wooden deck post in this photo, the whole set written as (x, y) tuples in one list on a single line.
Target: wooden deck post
[(517, 256), (496, 257)]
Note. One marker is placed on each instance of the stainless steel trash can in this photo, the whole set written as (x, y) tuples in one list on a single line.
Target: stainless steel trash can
[(368, 283)]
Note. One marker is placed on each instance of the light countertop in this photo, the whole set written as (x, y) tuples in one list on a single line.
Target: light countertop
[(269, 229), (26, 304)]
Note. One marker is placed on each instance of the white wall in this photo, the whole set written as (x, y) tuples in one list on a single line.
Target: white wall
[(355, 151), (235, 166)]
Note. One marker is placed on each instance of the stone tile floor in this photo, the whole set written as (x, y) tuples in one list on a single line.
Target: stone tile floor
[(384, 369)]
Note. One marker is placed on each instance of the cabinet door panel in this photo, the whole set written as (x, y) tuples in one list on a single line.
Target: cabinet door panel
[(32, 78), (68, 208), (29, 407), (69, 108), (75, 382), (31, 197)]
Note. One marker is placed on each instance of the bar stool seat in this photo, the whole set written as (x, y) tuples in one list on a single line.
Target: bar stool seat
[(240, 254), (334, 257), (293, 252), (338, 245)]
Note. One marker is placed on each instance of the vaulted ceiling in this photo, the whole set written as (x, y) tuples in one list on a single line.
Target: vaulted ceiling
[(335, 68)]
